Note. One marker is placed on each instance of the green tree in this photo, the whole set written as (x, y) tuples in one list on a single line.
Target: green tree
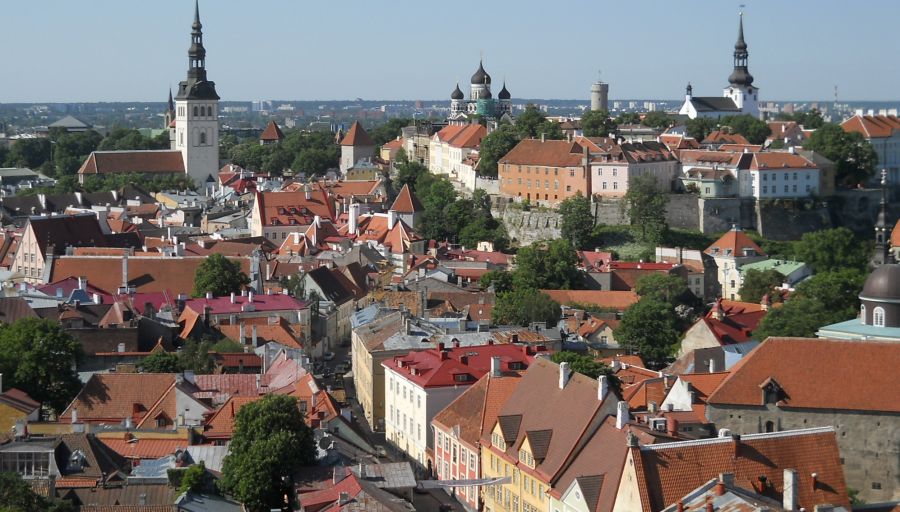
[(16, 495), (811, 120), (528, 123), (757, 283), (664, 288), (225, 346), (271, 443), (408, 173), (657, 120), (501, 280), (837, 291), (754, 130), (30, 153), (161, 362), (650, 328), (194, 356), (645, 207), (315, 161), (854, 157), (71, 149), (832, 250), (597, 123), (699, 127), (548, 265), (796, 317), (627, 118), (521, 306), (577, 220), (39, 357), (194, 479), (389, 130), (495, 146), (586, 365), (220, 276)]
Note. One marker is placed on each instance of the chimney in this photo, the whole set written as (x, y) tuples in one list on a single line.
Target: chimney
[(791, 493), (718, 310), (317, 221), (209, 295), (253, 335), (188, 376), (307, 192), (392, 218), (250, 296), (543, 137), (495, 367), (709, 506), (564, 374), (712, 365), (671, 426), (125, 271), (602, 387), (622, 416), (98, 299), (74, 415), (241, 334), (736, 442), (120, 348), (680, 507), (232, 298), (353, 220)]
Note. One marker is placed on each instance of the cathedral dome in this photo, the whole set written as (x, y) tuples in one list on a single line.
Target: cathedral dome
[(481, 77), (456, 94), (504, 94), (740, 76), (882, 285)]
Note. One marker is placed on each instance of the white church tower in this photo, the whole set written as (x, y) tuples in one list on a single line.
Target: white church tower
[(740, 84), (197, 114)]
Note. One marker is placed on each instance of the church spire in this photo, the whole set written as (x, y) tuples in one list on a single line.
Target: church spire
[(740, 76), (171, 103), (197, 53), (882, 253)]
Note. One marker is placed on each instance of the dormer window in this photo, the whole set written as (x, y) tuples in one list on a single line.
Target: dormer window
[(526, 458), (727, 252), (878, 317), (497, 441), (461, 377), (772, 392)]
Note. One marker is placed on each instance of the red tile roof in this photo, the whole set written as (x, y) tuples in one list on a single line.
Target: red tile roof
[(721, 137), (18, 399), (618, 300), (475, 411), (468, 137), (669, 471), (112, 397), (221, 424), (442, 368), (772, 160), (144, 448), (872, 127), (735, 240), (357, 136), (817, 373), (407, 202), (220, 385), (739, 321), (261, 303), (153, 161), (293, 208), (272, 132), (551, 153)]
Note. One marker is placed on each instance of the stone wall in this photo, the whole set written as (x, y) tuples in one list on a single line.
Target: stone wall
[(527, 227), (718, 214), (789, 220), (683, 211)]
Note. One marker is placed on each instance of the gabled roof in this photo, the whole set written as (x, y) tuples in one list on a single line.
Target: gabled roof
[(112, 397), (816, 373), (469, 137), (357, 136), (714, 104), (221, 424), (723, 137), (293, 208), (738, 323), (872, 127), (667, 472), (407, 202), (734, 243), (770, 160), (441, 368), (19, 400), (619, 300), (475, 411), (134, 161), (66, 230), (272, 132), (334, 288), (550, 153)]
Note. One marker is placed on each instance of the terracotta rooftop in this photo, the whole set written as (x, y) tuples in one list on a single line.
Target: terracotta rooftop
[(458, 366), (357, 136), (272, 132), (293, 208), (136, 161), (550, 153), (407, 202), (721, 137), (221, 424), (872, 127), (735, 243), (816, 373), (775, 160), (112, 397), (618, 300), (475, 411)]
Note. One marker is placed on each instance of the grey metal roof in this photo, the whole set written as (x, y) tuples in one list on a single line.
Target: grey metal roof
[(714, 104)]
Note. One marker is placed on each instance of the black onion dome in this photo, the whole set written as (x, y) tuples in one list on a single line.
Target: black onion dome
[(456, 94), (481, 77), (504, 94), (740, 76)]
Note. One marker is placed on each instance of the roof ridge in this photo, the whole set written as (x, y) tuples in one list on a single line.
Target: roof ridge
[(717, 440)]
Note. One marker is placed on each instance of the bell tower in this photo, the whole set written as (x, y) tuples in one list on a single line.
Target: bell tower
[(197, 113)]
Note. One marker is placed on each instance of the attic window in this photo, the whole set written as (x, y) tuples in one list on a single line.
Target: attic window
[(772, 392), (281, 211), (516, 365), (293, 210), (526, 458), (461, 377), (497, 441)]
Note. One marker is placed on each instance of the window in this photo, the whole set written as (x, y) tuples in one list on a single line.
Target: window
[(794, 187), (707, 190), (615, 172), (878, 317), (497, 441), (765, 176), (876, 486), (419, 401), (568, 188), (862, 313), (202, 138), (770, 426), (615, 185), (196, 111), (765, 189), (604, 185), (419, 431), (785, 189), (571, 173)]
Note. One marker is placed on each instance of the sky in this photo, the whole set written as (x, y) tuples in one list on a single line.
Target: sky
[(133, 50)]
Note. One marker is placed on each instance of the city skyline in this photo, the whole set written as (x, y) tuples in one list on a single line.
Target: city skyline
[(418, 62)]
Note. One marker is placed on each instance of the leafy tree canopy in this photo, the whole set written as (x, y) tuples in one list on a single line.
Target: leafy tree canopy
[(161, 362), (577, 220), (832, 250), (501, 280), (597, 123), (271, 443), (645, 207), (389, 130), (220, 276), (853, 155), (796, 317), (549, 265), (521, 306), (16, 495), (195, 478), (698, 128), (38, 357), (627, 118), (664, 288), (495, 146), (657, 120), (757, 283), (650, 328), (754, 130)]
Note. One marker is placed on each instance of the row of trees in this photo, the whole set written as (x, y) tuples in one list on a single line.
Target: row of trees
[(531, 123), (309, 152), (754, 130)]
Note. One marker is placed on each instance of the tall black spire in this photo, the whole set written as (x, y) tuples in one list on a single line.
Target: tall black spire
[(882, 253), (740, 76), (197, 86), (171, 104)]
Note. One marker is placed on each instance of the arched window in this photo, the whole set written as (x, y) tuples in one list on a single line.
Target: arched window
[(862, 314), (202, 138), (770, 426), (196, 110), (202, 111), (878, 317)]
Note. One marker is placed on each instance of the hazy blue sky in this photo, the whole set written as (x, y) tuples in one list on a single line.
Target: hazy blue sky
[(114, 50)]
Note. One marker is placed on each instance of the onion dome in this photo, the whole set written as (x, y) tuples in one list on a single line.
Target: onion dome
[(504, 94), (481, 77), (456, 94)]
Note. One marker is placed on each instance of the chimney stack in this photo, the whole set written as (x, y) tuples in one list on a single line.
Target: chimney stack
[(353, 221), (232, 297), (392, 218), (602, 387), (622, 416), (712, 365), (124, 272), (564, 374), (495, 367), (253, 335), (671, 426), (791, 493)]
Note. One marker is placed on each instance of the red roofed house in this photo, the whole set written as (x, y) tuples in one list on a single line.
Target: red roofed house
[(389, 149), (233, 309), (160, 401), (272, 134), (727, 323), (851, 386), (452, 145), (624, 275), (420, 384), (355, 146), (219, 428), (800, 467), (788, 132), (458, 428), (718, 137), (45, 236), (883, 132), (148, 163), (544, 172), (612, 300), (408, 207), (779, 174), (387, 233), (684, 408), (730, 251), (16, 405), (612, 170), (276, 214)]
